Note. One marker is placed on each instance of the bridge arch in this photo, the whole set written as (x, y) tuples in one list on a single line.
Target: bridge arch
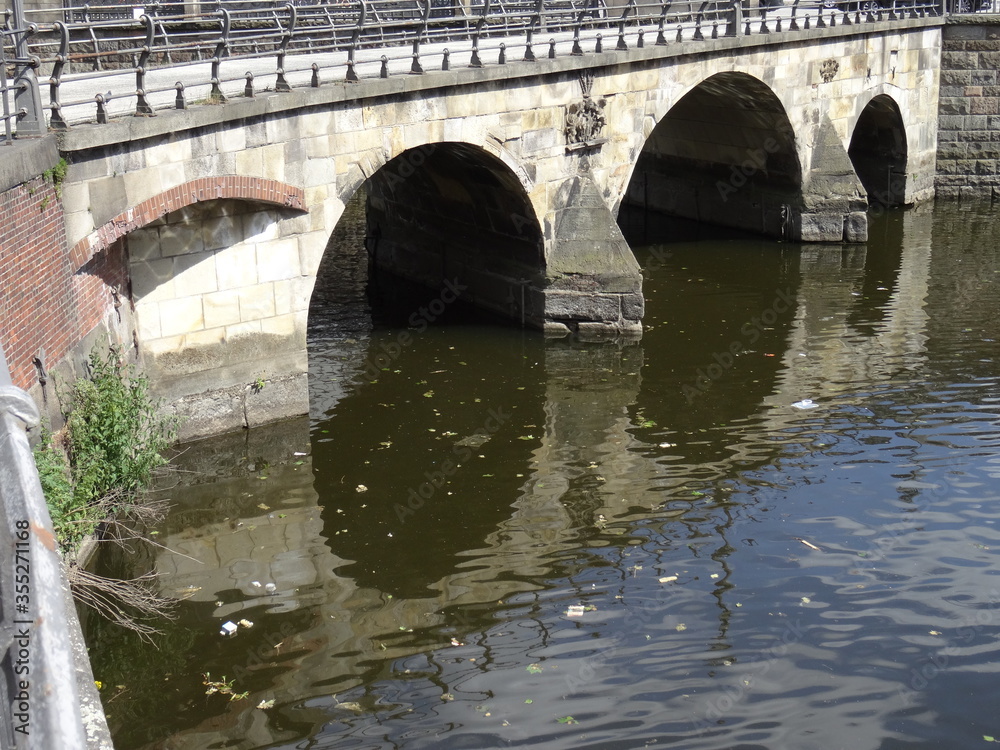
[(453, 213), (879, 151), (725, 153)]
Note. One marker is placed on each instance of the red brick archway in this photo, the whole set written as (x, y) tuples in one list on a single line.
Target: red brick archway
[(195, 191)]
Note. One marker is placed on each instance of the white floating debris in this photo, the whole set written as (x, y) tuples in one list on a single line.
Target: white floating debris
[(245, 623), (300, 453), (228, 628), (806, 403), (806, 600), (255, 584), (270, 588), (667, 445), (575, 610), (361, 488), (668, 579)]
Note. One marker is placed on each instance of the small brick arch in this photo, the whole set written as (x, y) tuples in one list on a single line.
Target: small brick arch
[(195, 191)]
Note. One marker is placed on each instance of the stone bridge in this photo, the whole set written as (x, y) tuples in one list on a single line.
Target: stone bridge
[(502, 182)]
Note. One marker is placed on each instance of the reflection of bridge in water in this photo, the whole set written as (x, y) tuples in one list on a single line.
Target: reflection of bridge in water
[(590, 466)]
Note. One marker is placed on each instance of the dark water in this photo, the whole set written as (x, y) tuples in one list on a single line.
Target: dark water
[(609, 546)]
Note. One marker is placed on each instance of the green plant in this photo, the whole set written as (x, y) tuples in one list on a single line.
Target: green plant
[(114, 440), (223, 687), (57, 175), (258, 385), (116, 436)]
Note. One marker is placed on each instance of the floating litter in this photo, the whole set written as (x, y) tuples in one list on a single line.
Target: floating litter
[(806, 403), (228, 628), (270, 588), (575, 610), (255, 584)]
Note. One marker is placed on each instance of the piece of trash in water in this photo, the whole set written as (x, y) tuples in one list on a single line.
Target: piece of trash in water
[(810, 545), (534, 668), (575, 610), (270, 588), (228, 628), (806, 600), (668, 579), (681, 628), (266, 704), (300, 453), (806, 403), (456, 642), (361, 488), (255, 584), (245, 623)]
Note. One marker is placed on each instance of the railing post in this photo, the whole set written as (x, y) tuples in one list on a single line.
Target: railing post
[(352, 74), (622, 45), (27, 98), (286, 35), (56, 120), (415, 67), (536, 20), (475, 62), (661, 38), (221, 46), (142, 105)]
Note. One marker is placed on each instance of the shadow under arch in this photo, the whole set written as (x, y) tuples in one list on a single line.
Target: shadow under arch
[(454, 214), (725, 154), (878, 152)]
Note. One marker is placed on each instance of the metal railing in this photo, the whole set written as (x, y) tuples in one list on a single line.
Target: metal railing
[(22, 104), (117, 59)]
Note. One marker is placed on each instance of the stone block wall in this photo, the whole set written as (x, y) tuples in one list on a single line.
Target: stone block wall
[(968, 155)]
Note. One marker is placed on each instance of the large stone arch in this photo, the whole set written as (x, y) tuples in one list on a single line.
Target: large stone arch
[(454, 213), (879, 151), (724, 153)]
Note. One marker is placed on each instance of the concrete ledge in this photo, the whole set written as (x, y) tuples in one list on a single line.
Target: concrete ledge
[(25, 159)]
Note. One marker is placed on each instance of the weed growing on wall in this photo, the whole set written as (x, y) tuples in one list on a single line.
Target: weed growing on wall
[(114, 440), (95, 476)]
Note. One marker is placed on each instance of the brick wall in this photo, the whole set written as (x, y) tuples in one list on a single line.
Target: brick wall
[(968, 153), (47, 307)]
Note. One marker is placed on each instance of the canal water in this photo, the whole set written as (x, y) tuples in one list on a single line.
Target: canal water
[(770, 524)]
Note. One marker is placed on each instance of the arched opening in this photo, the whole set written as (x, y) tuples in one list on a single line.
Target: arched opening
[(454, 216), (724, 154), (443, 233), (878, 152)]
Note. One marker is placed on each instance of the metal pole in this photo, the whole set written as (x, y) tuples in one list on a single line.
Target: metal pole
[(27, 98)]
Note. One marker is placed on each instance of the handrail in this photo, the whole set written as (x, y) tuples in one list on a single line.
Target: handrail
[(36, 624), (221, 50)]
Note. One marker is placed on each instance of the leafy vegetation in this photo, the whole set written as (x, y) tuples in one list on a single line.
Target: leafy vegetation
[(113, 442)]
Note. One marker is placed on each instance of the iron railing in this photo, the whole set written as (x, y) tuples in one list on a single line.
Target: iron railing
[(115, 59), (22, 105)]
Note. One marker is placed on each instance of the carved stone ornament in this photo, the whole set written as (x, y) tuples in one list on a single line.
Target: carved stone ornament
[(828, 70), (585, 120)]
